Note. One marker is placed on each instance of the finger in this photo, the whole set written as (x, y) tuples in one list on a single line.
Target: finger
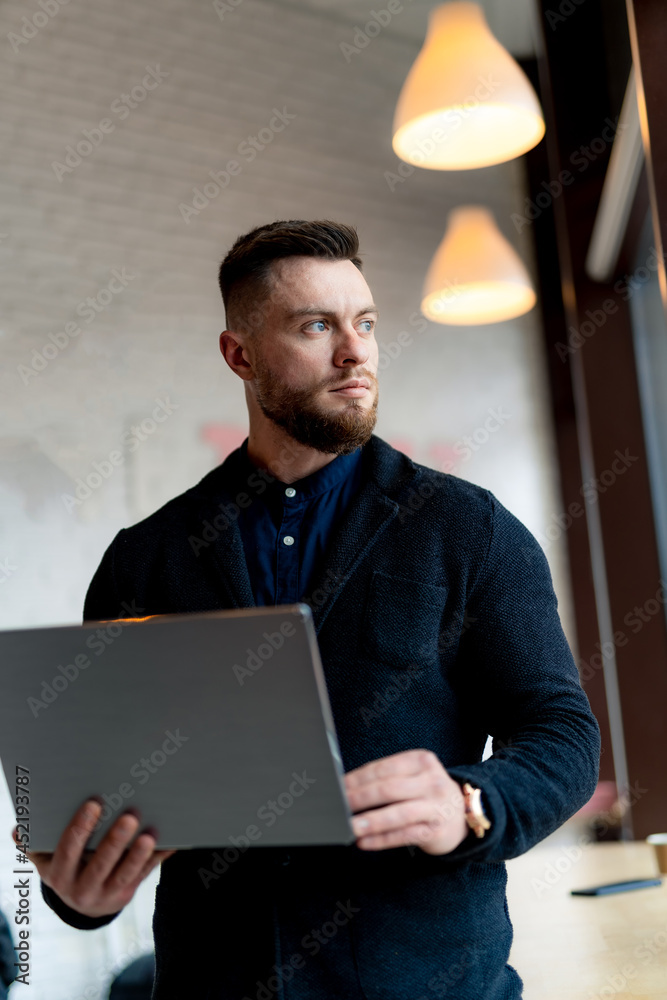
[(40, 859), (42, 863), (28, 854), (417, 833), (405, 762), (384, 791), (129, 870), (408, 762), (165, 854), (17, 839), (158, 857), (70, 847), (393, 817), (114, 843)]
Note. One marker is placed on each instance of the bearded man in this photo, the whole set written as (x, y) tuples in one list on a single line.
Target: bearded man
[(419, 582)]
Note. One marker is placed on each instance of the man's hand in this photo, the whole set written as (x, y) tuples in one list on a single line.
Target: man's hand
[(105, 881), (422, 804)]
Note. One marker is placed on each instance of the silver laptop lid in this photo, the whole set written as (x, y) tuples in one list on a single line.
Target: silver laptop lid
[(214, 726)]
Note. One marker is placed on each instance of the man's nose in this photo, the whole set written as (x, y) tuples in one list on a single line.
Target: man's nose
[(351, 348)]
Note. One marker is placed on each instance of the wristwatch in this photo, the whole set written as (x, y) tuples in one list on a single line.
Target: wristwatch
[(474, 813)]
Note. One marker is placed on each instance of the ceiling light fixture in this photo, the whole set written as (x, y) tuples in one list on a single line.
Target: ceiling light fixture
[(466, 102), (476, 276)]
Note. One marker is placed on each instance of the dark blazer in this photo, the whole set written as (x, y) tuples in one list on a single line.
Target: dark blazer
[(438, 625)]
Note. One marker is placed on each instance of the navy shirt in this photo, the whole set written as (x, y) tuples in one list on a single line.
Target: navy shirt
[(286, 529)]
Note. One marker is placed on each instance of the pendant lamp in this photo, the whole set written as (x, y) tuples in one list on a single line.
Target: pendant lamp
[(465, 103), (476, 276)]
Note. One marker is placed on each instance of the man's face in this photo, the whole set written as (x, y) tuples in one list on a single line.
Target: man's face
[(318, 335)]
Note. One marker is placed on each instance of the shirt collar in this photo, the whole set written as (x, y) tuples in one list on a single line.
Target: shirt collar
[(317, 482)]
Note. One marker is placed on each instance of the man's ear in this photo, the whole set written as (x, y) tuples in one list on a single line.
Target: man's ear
[(233, 350)]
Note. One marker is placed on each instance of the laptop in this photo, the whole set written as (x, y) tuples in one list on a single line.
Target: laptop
[(217, 727)]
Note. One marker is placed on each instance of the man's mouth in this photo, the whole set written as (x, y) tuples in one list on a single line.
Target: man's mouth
[(355, 387)]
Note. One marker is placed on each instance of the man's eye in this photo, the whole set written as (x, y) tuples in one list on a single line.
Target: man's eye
[(319, 323), (369, 324)]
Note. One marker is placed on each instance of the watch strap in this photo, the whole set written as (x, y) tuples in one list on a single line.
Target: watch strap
[(474, 813)]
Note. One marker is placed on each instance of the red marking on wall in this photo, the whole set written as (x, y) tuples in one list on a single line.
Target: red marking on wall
[(444, 457), (223, 438), (403, 444)]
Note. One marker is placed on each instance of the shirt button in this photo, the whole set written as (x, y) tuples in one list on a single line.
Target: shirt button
[(290, 492), (288, 540)]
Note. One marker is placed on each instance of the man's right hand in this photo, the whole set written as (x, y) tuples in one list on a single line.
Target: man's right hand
[(105, 881)]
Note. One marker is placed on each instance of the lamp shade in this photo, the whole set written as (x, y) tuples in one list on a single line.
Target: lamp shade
[(476, 276), (465, 103)]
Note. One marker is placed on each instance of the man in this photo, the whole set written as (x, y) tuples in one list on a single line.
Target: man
[(437, 624)]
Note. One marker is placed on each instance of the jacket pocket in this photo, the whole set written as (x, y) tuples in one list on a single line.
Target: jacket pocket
[(403, 621)]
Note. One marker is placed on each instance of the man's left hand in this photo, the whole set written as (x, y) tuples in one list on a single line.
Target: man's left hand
[(421, 804)]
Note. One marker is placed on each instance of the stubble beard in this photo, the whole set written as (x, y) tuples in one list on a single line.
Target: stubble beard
[(296, 411)]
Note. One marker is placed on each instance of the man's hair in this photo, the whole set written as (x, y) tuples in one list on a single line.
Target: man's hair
[(245, 273)]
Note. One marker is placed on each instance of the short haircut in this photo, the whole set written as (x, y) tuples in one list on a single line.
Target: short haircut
[(245, 273)]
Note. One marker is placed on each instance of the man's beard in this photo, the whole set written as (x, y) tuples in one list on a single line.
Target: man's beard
[(296, 411)]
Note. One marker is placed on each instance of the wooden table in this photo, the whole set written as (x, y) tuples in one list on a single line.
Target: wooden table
[(580, 947)]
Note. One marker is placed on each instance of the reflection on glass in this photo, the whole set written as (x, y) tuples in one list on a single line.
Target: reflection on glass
[(650, 340)]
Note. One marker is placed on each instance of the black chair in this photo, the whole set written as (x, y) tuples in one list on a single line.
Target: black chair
[(7, 957), (135, 982)]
